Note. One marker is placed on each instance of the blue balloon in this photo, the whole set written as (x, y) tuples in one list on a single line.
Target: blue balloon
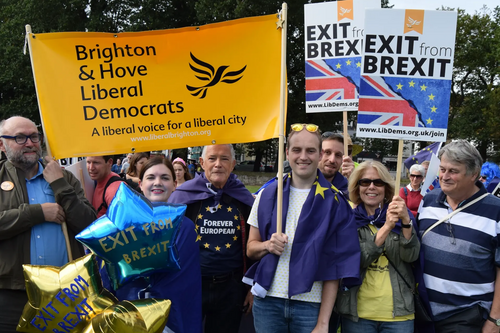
[(135, 238)]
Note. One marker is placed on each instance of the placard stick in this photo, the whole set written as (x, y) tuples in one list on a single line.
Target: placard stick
[(398, 168), (346, 147), (64, 227), (281, 145)]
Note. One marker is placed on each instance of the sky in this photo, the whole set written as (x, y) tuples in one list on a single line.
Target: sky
[(470, 6)]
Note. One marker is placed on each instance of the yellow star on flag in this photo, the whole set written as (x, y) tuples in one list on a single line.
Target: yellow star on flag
[(228, 245), (320, 189), (206, 245), (235, 237), (348, 62), (338, 65), (200, 217), (229, 209), (219, 206), (217, 248), (412, 83), (208, 209), (433, 109), (423, 87), (235, 217), (238, 227), (198, 238), (196, 227), (358, 64), (429, 121), (400, 86), (431, 97)]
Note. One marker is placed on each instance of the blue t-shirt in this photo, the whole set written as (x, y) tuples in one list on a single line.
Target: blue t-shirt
[(219, 232)]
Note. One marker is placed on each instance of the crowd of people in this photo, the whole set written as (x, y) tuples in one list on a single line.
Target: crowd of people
[(350, 251)]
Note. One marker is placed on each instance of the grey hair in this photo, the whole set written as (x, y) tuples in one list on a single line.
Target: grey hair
[(418, 168), (462, 152), (233, 155)]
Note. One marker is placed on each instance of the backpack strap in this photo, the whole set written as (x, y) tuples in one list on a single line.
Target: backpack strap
[(406, 191), (110, 181)]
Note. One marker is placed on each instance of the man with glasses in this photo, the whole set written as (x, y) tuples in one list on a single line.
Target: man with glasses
[(35, 199), (296, 280), (461, 251), (333, 160)]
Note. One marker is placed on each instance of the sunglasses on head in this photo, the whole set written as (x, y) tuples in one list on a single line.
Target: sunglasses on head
[(366, 182), (416, 176), (309, 127)]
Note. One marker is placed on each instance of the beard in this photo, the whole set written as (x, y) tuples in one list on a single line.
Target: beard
[(21, 161)]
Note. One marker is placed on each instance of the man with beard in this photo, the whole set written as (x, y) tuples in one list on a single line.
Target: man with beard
[(332, 147), (35, 199)]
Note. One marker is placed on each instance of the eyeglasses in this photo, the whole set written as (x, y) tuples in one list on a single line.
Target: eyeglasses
[(309, 127), (483, 177), (449, 227), (416, 176), (22, 139), (366, 182)]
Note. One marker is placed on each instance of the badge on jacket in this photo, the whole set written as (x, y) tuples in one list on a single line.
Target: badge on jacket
[(7, 186)]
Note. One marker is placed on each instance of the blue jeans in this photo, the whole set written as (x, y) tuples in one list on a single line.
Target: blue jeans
[(371, 326), (280, 315)]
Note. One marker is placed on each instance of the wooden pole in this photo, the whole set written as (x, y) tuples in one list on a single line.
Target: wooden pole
[(346, 134), (64, 227), (398, 168), (283, 87)]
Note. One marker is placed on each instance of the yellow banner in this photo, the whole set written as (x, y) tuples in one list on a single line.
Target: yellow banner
[(104, 93)]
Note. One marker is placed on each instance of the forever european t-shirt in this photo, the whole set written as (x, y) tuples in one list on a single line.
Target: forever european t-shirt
[(219, 237)]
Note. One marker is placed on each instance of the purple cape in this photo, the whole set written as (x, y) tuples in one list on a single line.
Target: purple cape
[(325, 246), (200, 188)]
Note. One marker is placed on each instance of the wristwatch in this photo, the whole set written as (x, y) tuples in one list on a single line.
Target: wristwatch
[(407, 225), (495, 321)]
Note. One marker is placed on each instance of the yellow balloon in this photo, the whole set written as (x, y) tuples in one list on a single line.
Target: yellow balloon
[(138, 316), (63, 299)]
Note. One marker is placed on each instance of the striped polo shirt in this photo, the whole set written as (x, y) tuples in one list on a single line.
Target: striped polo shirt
[(460, 254)]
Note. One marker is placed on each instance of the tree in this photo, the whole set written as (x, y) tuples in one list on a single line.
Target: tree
[(474, 107), (17, 89)]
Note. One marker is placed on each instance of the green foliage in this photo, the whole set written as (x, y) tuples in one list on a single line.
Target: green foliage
[(474, 107)]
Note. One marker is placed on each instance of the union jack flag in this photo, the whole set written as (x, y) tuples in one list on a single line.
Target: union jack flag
[(380, 105), (433, 185), (324, 84)]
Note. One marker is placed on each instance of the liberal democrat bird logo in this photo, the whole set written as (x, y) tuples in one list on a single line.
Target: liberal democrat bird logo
[(412, 22), (344, 11), (208, 73)]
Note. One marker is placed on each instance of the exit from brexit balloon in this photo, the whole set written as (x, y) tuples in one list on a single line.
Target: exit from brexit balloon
[(135, 238)]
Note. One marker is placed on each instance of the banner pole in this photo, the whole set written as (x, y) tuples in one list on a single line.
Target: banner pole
[(346, 148), (283, 86), (398, 168), (28, 37)]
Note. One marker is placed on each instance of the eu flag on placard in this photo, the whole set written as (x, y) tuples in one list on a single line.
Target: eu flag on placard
[(423, 155)]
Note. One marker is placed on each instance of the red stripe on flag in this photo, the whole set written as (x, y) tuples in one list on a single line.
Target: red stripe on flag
[(332, 83), (390, 106), (323, 69), (373, 82), (389, 120)]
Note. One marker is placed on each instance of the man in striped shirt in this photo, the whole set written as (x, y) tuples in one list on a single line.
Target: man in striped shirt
[(462, 253)]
